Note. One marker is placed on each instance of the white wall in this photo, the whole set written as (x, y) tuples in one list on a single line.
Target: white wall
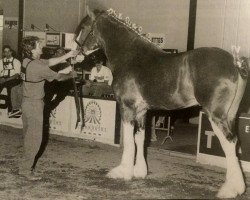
[(223, 23), (155, 16), (10, 9), (62, 15)]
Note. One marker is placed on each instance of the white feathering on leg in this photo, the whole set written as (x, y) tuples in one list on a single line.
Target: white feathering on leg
[(140, 168), (126, 168)]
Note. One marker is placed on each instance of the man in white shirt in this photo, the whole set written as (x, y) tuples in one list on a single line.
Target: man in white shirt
[(100, 81), (10, 69)]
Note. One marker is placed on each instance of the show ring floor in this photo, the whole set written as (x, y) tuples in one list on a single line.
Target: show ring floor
[(74, 169), (184, 139)]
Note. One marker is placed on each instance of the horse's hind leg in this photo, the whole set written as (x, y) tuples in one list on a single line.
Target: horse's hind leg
[(222, 124), (234, 184)]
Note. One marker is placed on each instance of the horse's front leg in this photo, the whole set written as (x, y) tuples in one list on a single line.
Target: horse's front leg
[(234, 184), (126, 168), (140, 168)]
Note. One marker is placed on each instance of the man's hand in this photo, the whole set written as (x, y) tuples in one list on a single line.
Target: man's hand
[(73, 74), (88, 83), (72, 53), (80, 58)]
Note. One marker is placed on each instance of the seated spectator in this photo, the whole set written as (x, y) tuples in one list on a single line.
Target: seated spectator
[(10, 69), (100, 80)]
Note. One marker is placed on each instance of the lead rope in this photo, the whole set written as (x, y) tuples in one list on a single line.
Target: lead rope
[(76, 97), (82, 107)]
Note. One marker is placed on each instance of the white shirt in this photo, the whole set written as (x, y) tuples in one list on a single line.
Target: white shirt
[(15, 69), (104, 74)]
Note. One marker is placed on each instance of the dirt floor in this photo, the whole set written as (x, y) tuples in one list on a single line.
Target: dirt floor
[(75, 169)]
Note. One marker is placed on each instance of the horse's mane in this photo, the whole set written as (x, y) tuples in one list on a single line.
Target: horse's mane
[(117, 17), (127, 23)]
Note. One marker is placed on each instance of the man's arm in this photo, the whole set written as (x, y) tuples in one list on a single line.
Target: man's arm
[(64, 77), (15, 76), (57, 60), (4, 80)]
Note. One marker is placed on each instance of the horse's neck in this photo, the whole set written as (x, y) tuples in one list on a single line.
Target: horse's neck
[(118, 41)]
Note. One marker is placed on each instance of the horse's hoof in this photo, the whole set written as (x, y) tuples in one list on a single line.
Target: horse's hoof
[(228, 190), (122, 172), (140, 171)]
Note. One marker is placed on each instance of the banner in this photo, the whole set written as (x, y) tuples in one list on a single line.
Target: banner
[(100, 120), (60, 117)]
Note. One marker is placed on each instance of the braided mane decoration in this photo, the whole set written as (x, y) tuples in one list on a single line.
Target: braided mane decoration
[(129, 24)]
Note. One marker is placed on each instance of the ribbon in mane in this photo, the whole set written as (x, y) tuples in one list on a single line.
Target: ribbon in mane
[(137, 29)]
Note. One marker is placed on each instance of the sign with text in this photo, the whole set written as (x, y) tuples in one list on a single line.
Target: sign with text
[(244, 136), (158, 39), (60, 116), (53, 39), (11, 22)]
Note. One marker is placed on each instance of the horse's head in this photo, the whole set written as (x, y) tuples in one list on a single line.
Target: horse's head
[(86, 36)]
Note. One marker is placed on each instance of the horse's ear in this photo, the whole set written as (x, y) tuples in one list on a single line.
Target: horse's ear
[(90, 13)]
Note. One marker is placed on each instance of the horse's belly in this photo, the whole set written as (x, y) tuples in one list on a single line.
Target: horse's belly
[(171, 102)]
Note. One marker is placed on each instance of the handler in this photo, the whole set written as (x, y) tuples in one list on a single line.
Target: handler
[(34, 73)]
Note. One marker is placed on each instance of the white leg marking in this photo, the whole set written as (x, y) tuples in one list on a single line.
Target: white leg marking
[(126, 168), (140, 169), (234, 184)]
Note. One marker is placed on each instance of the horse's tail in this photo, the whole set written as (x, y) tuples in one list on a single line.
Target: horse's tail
[(248, 64), (243, 65)]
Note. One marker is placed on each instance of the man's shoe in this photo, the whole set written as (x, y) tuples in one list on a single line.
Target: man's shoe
[(31, 175), (15, 113), (16, 116)]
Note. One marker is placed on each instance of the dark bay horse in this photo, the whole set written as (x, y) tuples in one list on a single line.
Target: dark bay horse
[(145, 77)]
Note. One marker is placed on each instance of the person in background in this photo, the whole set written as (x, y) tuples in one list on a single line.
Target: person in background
[(34, 73), (10, 69), (100, 80)]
